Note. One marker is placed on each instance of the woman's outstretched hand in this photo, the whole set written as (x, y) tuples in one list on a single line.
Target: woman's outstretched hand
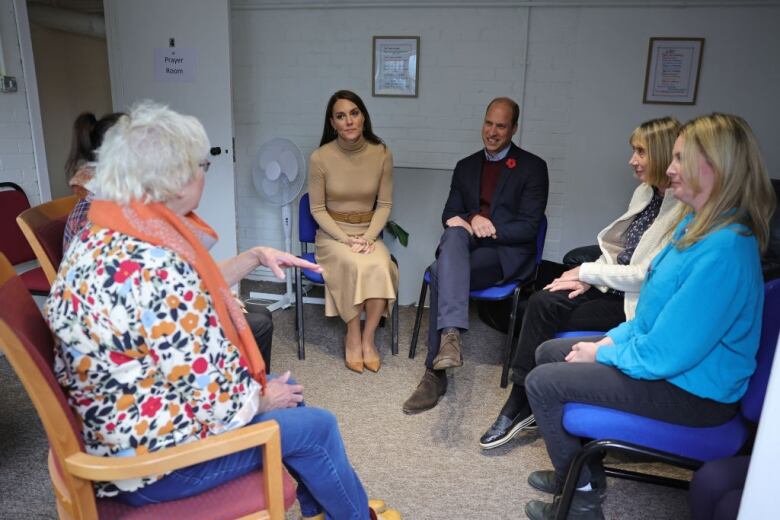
[(277, 260)]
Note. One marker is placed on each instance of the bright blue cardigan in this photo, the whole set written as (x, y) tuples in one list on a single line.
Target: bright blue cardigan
[(698, 320)]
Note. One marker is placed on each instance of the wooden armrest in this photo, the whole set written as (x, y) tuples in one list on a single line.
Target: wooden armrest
[(98, 468)]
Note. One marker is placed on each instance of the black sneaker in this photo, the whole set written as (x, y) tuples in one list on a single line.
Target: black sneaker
[(505, 429)]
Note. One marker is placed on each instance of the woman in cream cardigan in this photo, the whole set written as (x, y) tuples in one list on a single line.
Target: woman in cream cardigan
[(602, 294)]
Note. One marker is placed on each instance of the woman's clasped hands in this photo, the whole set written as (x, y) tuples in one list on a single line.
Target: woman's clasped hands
[(361, 245), (585, 351)]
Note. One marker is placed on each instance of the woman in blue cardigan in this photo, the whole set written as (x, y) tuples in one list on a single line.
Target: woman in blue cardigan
[(689, 352)]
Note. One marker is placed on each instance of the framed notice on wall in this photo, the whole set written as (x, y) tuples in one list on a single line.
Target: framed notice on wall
[(673, 66), (396, 66)]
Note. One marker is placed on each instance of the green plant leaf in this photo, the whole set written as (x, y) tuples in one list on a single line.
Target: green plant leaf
[(398, 232)]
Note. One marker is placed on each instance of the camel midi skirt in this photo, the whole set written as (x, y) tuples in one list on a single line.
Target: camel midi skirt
[(352, 278)]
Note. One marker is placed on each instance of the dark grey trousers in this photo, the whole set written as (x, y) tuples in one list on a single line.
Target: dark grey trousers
[(262, 326), (462, 264), (554, 383)]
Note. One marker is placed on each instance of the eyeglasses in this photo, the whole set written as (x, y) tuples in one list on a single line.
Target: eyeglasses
[(205, 165)]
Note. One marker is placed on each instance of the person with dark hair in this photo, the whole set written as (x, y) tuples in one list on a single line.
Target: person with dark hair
[(88, 134), (602, 294), (351, 194), (491, 219)]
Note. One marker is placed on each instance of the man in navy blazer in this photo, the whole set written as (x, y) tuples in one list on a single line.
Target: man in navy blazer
[(496, 202)]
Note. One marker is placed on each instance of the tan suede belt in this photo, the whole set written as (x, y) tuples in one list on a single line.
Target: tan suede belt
[(352, 218)]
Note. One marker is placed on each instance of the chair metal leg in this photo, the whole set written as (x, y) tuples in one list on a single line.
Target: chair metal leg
[(588, 452), (644, 477), (509, 347), (595, 449), (418, 318), (299, 313), (394, 329)]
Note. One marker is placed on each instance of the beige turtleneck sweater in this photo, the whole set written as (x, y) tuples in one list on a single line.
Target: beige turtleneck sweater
[(348, 178)]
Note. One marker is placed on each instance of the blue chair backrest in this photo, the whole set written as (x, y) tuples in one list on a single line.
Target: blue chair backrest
[(307, 226), (541, 236), (753, 399)]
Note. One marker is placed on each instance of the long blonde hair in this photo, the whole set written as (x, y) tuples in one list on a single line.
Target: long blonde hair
[(742, 192), (658, 136)]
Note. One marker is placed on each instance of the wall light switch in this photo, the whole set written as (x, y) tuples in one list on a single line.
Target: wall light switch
[(7, 84)]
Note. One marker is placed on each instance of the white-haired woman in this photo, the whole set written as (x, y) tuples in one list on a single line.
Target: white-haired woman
[(689, 352), (153, 349)]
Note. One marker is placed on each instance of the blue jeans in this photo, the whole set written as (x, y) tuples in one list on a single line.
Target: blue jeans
[(313, 452)]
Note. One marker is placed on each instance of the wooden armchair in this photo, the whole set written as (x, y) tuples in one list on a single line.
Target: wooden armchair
[(43, 227), (28, 344)]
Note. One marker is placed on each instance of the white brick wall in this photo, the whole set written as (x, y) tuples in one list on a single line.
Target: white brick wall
[(286, 63), (582, 74), (17, 162)]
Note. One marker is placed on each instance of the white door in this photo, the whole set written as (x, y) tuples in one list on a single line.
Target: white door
[(194, 36)]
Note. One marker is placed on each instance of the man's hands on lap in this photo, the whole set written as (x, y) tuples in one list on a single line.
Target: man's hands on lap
[(483, 227), (459, 222)]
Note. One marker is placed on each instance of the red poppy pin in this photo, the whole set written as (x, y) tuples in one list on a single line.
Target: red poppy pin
[(511, 163)]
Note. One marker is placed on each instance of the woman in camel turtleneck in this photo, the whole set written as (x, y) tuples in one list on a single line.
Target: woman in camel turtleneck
[(351, 191)]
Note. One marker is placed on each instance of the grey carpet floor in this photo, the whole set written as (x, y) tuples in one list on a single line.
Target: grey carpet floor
[(429, 466)]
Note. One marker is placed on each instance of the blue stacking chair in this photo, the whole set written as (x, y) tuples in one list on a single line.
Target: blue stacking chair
[(578, 333), (682, 446), (495, 293), (307, 229)]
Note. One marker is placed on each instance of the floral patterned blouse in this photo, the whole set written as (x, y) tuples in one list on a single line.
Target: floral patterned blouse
[(140, 351)]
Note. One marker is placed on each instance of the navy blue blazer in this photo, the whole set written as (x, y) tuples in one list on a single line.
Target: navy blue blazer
[(516, 209)]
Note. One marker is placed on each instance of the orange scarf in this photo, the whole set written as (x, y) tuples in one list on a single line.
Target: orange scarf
[(156, 224)]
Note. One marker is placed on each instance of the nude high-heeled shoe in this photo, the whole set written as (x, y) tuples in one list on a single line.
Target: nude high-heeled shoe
[(373, 363), (353, 360), (371, 359)]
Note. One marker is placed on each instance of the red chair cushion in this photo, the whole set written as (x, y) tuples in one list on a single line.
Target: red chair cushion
[(12, 241), (50, 236), (231, 500), (35, 280)]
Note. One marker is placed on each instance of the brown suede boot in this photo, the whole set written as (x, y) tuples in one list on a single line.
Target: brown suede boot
[(449, 352), (432, 386)]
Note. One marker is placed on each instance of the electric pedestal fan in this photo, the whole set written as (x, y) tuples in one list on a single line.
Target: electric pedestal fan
[(278, 175)]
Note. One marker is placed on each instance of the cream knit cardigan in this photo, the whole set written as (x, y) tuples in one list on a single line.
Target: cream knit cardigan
[(606, 273)]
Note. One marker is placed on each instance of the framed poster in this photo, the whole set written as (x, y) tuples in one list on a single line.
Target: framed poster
[(673, 66), (396, 65)]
